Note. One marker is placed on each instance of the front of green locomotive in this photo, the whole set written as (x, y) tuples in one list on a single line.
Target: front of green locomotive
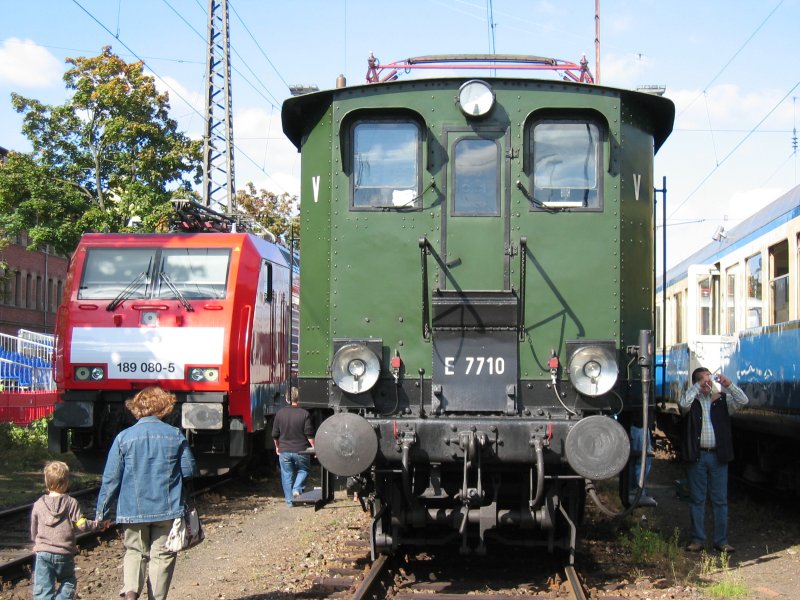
[(476, 286)]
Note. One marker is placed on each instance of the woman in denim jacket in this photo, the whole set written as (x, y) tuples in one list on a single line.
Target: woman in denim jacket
[(144, 473)]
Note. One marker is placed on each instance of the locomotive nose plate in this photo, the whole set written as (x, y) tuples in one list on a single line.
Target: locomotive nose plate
[(346, 444), (597, 447)]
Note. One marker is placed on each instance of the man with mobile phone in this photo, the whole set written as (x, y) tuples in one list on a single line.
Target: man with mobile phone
[(707, 448)]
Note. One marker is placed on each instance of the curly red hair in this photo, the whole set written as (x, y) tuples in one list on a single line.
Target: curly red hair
[(152, 401)]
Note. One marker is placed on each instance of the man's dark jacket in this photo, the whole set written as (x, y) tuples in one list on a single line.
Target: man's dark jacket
[(692, 424)]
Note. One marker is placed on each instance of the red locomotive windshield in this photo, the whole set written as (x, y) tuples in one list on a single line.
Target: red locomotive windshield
[(161, 273)]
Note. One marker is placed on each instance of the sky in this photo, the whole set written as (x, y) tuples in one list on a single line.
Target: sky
[(726, 64)]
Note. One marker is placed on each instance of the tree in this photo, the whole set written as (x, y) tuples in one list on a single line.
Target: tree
[(272, 211), (109, 153)]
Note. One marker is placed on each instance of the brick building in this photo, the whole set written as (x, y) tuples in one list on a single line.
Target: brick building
[(31, 285), (30, 288)]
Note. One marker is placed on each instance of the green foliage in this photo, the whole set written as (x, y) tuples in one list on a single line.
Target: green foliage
[(109, 153), (23, 455), (32, 436), (729, 584), (647, 545), (727, 589), (272, 211)]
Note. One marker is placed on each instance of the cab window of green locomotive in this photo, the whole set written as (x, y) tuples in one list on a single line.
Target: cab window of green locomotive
[(565, 158), (386, 159), (109, 271), (476, 185), (197, 273)]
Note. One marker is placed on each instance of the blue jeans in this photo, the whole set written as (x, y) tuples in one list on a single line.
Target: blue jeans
[(51, 568), (294, 472), (709, 477), (638, 437)]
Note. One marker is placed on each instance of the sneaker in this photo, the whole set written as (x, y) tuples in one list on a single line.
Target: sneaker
[(726, 548), (694, 547), (295, 494)]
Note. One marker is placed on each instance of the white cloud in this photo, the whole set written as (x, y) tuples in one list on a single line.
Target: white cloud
[(25, 64), (625, 71), (265, 156), (720, 168), (186, 106), (727, 106)]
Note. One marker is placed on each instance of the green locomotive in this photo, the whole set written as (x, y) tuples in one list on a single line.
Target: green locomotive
[(477, 269)]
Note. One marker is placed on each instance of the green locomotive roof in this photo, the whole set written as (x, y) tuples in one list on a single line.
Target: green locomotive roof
[(299, 113)]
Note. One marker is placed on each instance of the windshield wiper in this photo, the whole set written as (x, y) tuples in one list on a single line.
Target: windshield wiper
[(184, 302), (128, 290)]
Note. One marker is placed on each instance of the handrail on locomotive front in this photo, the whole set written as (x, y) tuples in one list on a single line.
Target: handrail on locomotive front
[(424, 248)]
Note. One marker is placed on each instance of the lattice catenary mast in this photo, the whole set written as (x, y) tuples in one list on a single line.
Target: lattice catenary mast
[(219, 190)]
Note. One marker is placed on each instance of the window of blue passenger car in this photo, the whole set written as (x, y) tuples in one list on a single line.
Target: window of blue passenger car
[(565, 164), (754, 282), (476, 177), (385, 164)]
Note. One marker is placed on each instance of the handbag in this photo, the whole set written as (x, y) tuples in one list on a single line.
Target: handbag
[(186, 532)]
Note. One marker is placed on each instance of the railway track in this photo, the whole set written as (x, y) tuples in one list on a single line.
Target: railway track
[(16, 558), (15, 533), (399, 578)]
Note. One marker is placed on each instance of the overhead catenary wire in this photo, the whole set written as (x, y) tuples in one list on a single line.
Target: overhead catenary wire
[(711, 130), (731, 59), (260, 49), (177, 93), (734, 149), (271, 99)]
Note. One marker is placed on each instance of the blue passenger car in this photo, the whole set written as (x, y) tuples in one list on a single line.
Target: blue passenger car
[(733, 307)]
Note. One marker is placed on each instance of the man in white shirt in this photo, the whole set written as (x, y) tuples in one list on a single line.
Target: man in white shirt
[(707, 447)]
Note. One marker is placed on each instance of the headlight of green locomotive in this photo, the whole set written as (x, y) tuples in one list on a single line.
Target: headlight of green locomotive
[(593, 370), (355, 368)]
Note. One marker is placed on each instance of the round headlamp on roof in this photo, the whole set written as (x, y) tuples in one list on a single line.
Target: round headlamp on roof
[(476, 98), (355, 368), (593, 370)]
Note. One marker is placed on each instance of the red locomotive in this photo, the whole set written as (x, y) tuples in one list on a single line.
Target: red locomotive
[(207, 316)]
